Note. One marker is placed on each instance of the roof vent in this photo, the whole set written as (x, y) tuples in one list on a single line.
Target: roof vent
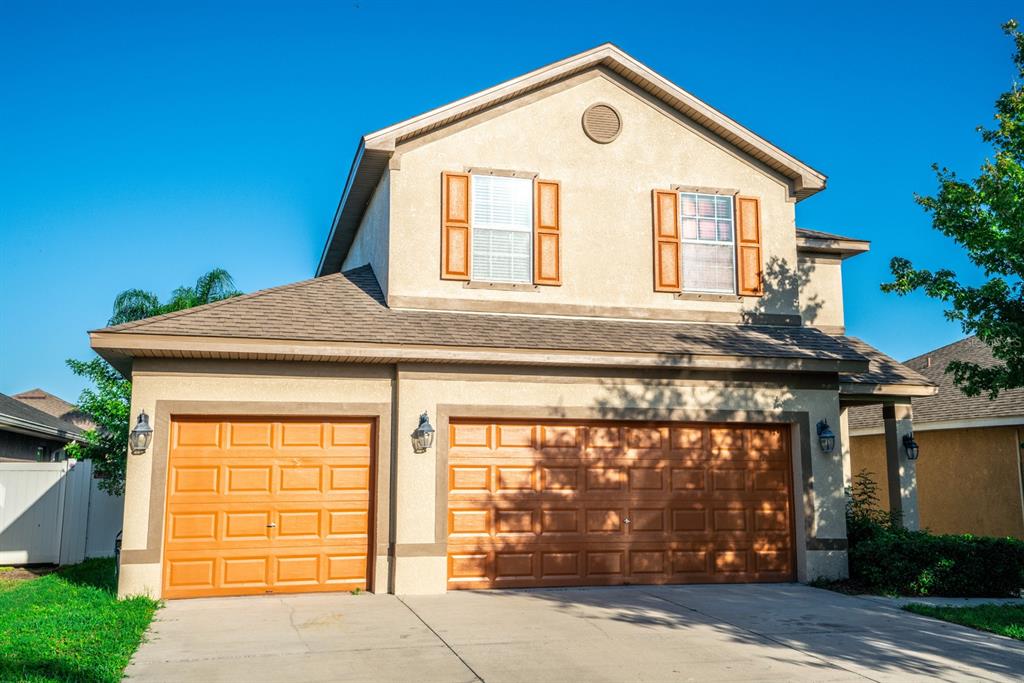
[(602, 123)]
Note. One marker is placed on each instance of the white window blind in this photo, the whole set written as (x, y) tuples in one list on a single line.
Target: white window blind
[(502, 229), (709, 252)]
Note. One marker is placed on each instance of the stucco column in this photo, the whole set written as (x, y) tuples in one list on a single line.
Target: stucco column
[(844, 447), (901, 472)]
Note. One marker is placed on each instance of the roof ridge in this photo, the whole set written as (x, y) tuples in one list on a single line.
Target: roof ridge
[(213, 304), (941, 348)]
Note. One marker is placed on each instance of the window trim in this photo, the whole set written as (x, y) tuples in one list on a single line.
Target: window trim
[(685, 293), (475, 282)]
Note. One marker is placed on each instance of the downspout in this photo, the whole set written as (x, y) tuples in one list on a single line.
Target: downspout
[(1020, 471)]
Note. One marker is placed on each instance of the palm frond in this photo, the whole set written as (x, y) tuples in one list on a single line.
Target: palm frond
[(134, 304), (215, 285), (182, 298)]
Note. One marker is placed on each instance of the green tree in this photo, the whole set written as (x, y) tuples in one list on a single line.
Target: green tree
[(136, 304), (986, 217), (108, 400)]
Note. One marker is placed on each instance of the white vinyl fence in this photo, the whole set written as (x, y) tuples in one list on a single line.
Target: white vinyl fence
[(54, 512)]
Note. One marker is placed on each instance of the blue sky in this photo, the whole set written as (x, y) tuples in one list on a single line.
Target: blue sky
[(143, 143)]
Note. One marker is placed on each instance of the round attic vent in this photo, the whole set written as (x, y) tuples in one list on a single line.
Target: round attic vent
[(601, 123)]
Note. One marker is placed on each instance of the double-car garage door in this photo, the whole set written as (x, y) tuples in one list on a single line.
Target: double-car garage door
[(284, 505), (603, 503)]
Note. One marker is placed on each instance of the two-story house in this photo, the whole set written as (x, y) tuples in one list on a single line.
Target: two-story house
[(591, 285)]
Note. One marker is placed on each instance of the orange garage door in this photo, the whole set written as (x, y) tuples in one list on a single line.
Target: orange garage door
[(605, 503), (267, 505)]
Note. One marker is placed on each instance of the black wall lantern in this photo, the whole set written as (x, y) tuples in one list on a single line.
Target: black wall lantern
[(826, 437), (423, 435), (913, 450), (141, 435)]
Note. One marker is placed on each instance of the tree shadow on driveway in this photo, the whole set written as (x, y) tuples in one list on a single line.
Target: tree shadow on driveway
[(766, 627)]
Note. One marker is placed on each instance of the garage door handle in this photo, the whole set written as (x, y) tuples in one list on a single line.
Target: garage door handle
[(271, 526)]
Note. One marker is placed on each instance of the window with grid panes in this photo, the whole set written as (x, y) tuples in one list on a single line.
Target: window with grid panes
[(709, 249), (502, 239)]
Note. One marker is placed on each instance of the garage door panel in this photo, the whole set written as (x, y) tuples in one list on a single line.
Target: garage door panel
[(561, 437), (550, 504), (194, 480), (265, 506), (515, 436)]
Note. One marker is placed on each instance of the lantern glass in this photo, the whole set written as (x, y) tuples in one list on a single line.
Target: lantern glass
[(913, 450), (141, 435), (423, 435), (826, 437)]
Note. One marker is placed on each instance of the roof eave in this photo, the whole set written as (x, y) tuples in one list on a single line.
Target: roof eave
[(120, 348), (843, 248), (24, 426), (871, 389)]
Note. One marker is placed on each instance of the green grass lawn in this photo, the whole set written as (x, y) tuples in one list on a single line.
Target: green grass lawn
[(69, 625), (1006, 620)]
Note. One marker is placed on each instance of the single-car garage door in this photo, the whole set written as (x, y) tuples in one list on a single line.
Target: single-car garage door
[(267, 505), (568, 504)]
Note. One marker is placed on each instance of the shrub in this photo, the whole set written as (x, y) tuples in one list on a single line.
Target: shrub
[(886, 558)]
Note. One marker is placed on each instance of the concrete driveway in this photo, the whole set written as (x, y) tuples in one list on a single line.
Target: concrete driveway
[(636, 633)]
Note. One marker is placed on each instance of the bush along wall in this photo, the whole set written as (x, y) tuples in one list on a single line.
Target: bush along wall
[(885, 558)]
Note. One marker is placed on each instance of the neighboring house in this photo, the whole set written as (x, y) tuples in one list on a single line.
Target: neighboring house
[(29, 434), (56, 406), (592, 285), (969, 470), (51, 508)]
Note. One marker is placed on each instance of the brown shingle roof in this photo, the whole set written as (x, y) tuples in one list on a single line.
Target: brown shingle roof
[(949, 403), (29, 417), (349, 307), (819, 235), (881, 368), (56, 406)]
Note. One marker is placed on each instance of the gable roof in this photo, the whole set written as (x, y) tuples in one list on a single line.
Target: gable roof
[(56, 406), (18, 417), (375, 149), (344, 317), (949, 404)]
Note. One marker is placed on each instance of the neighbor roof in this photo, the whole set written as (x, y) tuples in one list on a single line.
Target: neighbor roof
[(949, 404), (349, 308), (375, 149), (56, 406), (18, 417)]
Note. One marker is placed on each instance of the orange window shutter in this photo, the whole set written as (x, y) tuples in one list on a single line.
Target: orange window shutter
[(748, 246), (455, 226), (667, 247), (547, 233)]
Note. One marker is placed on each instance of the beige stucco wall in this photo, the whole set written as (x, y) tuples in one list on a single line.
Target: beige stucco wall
[(968, 480), (370, 245), (275, 384), (506, 391), (820, 279), (605, 194)]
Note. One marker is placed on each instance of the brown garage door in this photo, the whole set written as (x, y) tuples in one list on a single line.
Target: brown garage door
[(606, 503), (267, 505)]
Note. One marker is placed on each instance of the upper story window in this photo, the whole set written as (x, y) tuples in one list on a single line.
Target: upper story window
[(502, 220), (708, 246)]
